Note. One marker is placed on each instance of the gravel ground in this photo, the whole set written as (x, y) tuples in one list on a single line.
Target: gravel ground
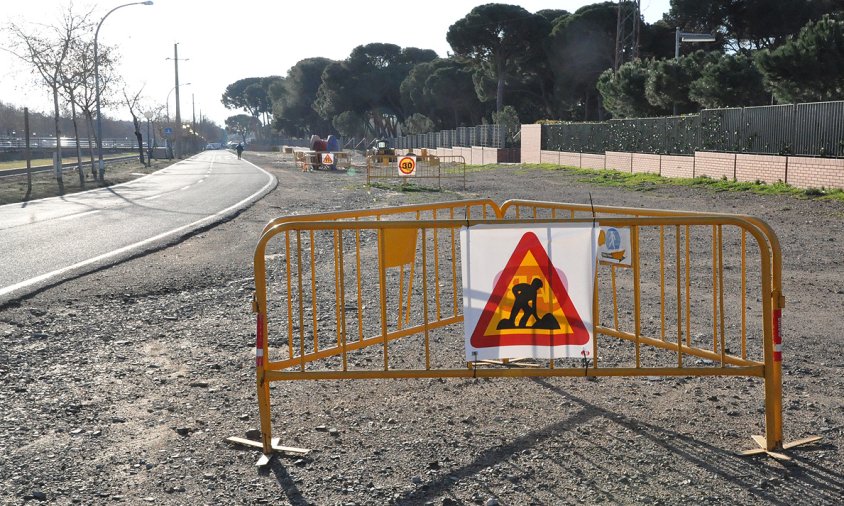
[(120, 386)]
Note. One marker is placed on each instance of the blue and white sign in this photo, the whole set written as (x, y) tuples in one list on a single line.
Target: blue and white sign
[(168, 131)]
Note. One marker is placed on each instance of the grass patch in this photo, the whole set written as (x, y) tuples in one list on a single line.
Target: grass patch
[(646, 181), (404, 188), (40, 162), (13, 189)]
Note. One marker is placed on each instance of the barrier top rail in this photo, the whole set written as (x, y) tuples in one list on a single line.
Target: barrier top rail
[(488, 209)]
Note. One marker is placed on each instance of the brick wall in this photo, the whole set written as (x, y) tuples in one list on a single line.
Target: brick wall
[(802, 172), (570, 159), (477, 155), (815, 172), (678, 166), (591, 161), (765, 168), (715, 165), (619, 161), (531, 143), (645, 163), (549, 157)]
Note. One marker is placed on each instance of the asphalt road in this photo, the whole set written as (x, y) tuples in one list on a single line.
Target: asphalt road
[(46, 241)]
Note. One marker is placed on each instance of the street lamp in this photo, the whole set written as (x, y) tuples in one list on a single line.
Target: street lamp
[(688, 37), (168, 98), (97, 83), (148, 116)]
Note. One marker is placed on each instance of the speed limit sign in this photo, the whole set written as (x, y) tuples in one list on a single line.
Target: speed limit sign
[(407, 166)]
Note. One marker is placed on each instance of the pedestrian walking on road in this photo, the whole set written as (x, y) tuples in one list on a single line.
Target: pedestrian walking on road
[(239, 150)]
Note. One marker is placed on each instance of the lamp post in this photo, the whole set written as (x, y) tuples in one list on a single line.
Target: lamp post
[(168, 99), (148, 116), (688, 37), (97, 83)]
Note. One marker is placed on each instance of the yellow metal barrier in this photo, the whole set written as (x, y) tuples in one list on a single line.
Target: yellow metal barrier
[(377, 294), (427, 167), (313, 160)]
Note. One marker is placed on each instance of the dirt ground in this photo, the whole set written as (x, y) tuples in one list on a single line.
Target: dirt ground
[(122, 385)]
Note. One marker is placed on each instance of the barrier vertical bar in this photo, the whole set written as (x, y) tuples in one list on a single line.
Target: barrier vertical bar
[(289, 290), (595, 319), (679, 297), (401, 296), (341, 315), (743, 294), (454, 264), (425, 297), (313, 292), (721, 289), (688, 287), (301, 299), (382, 284), (637, 295), (358, 280), (714, 290), (662, 281), (261, 352), (614, 298), (338, 283), (437, 267)]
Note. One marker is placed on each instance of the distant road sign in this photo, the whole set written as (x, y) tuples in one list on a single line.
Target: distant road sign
[(168, 131)]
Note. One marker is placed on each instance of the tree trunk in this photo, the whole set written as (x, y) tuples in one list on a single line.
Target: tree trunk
[(499, 93), (140, 138), (78, 148), (59, 179)]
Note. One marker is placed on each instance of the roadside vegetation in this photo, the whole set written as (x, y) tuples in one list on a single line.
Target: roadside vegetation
[(13, 189), (645, 182)]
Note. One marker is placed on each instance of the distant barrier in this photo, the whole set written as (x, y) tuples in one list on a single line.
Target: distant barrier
[(313, 160), (378, 294), (428, 168)]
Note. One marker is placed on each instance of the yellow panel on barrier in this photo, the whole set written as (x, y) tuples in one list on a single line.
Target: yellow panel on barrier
[(379, 294)]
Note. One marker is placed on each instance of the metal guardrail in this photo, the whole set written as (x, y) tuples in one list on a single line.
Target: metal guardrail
[(490, 136), (10, 143)]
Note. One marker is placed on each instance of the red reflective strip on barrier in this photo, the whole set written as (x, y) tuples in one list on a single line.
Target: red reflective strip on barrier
[(259, 342), (777, 335)]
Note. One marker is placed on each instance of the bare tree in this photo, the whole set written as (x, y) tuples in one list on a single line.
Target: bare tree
[(73, 79), (132, 104), (46, 49), (84, 96)]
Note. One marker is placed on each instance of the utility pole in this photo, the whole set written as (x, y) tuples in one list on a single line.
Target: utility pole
[(627, 32), (28, 152), (177, 141)]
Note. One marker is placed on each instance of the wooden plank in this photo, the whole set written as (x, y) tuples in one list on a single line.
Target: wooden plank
[(275, 446), (804, 441), (244, 442)]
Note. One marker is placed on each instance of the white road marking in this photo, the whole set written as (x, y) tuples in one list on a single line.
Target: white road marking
[(153, 197), (79, 215), (185, 187)]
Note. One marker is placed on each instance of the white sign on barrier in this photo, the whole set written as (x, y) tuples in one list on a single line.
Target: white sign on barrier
[(614, 246), (527, 290)]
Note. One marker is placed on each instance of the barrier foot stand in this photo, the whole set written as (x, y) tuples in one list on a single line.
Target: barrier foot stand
[(762, 442), (265, 459)]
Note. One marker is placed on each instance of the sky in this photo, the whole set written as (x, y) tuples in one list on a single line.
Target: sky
[(220, 42)]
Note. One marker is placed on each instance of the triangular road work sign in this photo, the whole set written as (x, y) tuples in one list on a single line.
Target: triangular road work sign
[(529, 304)]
